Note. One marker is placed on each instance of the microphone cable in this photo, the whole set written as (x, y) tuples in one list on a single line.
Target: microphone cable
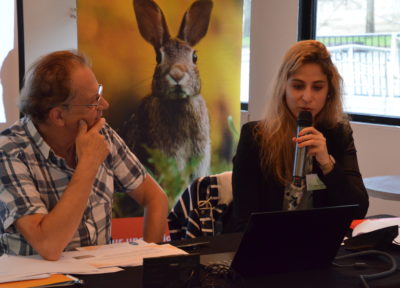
[(366, 277)]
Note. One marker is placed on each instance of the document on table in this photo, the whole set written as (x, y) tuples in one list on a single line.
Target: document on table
[(88, 260), (16, 268), (121, 254)]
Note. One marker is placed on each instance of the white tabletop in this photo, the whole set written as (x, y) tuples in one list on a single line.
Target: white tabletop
[(383, 187)]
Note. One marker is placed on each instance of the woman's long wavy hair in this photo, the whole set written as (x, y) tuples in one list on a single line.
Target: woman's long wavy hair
[(276, 130)]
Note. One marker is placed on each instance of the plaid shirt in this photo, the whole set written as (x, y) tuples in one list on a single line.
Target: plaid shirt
[(33, 179)]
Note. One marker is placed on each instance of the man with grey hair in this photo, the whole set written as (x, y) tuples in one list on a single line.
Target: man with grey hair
[(60, 163)]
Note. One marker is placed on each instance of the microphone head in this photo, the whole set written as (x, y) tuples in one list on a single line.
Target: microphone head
[(304, 119)]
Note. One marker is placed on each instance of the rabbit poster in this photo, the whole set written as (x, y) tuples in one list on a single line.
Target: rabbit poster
[(171, 73)]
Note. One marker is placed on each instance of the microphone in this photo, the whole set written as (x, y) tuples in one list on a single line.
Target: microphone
[(303, 120)]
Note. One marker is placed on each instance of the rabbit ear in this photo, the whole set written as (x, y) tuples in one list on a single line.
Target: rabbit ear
[(151, 22), (195, 22)]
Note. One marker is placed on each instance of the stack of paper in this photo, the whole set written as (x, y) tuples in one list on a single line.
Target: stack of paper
[(120, 254), (87, 260), (15, 268)]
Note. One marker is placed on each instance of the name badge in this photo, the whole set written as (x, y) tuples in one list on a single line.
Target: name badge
[(314, 183)]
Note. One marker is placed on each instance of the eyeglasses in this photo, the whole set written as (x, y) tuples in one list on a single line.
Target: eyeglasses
[(94, 105)]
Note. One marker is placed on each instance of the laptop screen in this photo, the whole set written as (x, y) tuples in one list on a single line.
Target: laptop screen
[(292, 240)]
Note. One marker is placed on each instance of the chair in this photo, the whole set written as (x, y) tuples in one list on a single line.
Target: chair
[(201, 208), (130, 229)]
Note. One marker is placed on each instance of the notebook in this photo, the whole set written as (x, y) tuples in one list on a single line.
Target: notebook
[(287, 241)]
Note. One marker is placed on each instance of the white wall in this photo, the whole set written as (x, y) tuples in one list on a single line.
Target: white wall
[(49, 26), (378, 149), (378, 155), (273, 30)]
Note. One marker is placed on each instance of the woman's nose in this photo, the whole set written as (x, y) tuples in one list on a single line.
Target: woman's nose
[(307, 95)]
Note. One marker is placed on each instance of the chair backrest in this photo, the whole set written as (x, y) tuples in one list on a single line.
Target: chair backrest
[(201, 208), (130, 229)]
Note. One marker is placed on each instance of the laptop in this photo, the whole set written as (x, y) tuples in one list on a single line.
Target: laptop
[(285, 241)]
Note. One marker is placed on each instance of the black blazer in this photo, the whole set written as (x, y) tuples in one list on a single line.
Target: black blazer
[(253, 191)]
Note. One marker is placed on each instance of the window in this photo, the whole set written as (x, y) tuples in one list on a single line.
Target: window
[(363, 37), (9, 86)]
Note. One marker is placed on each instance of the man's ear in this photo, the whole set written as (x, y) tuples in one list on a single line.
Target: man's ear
[(56, 116)]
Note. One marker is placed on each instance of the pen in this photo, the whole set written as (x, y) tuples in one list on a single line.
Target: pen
[(76, 280), (192, 245)]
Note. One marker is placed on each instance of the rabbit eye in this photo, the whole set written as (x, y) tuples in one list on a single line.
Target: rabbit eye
[(194, 57), (158, 57)]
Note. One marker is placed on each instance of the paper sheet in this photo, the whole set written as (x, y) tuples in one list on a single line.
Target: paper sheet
[(89, 260), (121, 254), (14, 268)]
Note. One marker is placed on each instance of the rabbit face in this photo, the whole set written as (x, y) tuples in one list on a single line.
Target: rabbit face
[(176, 76)]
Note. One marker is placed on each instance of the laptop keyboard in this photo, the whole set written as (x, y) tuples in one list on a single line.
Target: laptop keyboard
[(217, 259)]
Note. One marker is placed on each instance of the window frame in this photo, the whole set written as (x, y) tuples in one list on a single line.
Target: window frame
[(307, 30), (21, 42), (244, 106)]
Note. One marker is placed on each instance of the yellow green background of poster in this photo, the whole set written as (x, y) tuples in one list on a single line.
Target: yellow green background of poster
[(124, 62)]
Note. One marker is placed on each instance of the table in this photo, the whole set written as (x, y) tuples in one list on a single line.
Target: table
[(383, 187), (327, 278)]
